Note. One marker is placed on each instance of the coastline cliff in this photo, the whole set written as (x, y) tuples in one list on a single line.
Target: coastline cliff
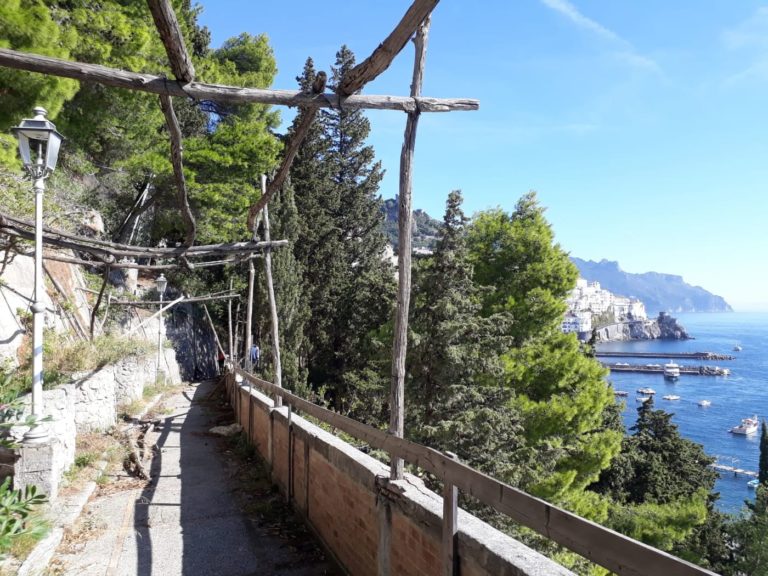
[(664, 327)]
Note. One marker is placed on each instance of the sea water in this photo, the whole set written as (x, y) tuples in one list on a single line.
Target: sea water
[(741, 394)]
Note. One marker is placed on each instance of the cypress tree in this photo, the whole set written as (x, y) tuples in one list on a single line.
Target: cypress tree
[(454, 401), (762, 474), (348, 284)]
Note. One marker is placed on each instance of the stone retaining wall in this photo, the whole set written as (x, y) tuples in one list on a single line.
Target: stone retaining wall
[(89, 403), (348, 499)]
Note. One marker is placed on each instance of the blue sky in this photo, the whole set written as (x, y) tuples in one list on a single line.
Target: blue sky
[(642, 125)]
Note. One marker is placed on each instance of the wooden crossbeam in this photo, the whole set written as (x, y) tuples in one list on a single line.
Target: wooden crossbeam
[(219, 93), (170, 33), (382, 56)]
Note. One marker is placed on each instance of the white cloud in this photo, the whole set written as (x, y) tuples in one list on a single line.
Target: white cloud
[(572, 13), (627, 53), (751, 33), (748, 40)]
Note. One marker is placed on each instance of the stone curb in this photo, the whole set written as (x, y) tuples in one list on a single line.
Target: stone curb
[(70, 510)]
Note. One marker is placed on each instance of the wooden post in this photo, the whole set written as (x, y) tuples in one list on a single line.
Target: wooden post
[(272, 303), (237, 336), (229, 318), (400, 343), (249, 317), (450, 556)]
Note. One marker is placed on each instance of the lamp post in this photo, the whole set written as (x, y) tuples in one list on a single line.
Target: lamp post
[(161, 283), (39, 145)]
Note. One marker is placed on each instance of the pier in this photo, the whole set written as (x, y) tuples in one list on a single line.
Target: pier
[(659, 369), (680, 355), (736, 471)]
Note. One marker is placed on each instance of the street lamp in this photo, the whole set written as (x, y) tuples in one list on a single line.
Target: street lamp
[(161, 283), (39, 145)]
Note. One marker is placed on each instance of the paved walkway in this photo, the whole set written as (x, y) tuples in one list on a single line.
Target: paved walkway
[(187, 520)]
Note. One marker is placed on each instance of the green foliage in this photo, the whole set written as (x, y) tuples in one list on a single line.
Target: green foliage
[(16, 506), (561, 394), (454, 398), (762, 475), (348, 286)]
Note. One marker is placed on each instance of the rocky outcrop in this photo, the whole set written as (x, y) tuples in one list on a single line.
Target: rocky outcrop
[(665, 327)]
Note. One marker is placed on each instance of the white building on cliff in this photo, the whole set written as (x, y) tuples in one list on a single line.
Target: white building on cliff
[(589, 299)]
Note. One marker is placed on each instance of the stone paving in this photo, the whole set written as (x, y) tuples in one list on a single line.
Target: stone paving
[(187, 520)]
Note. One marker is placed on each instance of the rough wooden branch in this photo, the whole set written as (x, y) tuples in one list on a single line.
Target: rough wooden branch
[(383, 55), (277, 367), (170, 33), (307, 117), (104, 282), (109, 255), (178, 169), (400, 339), (139, 303), (228, 94), (213, 329)]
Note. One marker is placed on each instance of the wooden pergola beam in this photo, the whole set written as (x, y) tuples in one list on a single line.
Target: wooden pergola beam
[(219, 93), (178, 169), (110, 256), (173, 40), (385, 53)]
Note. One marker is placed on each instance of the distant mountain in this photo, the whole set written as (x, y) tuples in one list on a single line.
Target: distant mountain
[(659, 292), (424, 226)]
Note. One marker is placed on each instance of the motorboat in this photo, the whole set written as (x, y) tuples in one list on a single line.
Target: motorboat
[(754, 483), (705, 403), (620, 393), (643, 398), (737, 348), (671, 371), (748, 426), (671, 397), (647, 391)]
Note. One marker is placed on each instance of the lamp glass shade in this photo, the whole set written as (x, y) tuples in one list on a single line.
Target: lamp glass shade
[(52, 150), (38, 136), (161, 283)]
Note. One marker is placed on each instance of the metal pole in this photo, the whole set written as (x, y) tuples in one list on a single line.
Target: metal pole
[(159, 339), (38, 433)]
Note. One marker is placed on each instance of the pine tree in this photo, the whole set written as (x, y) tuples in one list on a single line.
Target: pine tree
[(561, 395)]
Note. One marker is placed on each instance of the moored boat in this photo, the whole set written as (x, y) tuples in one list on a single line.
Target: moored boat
[(671, 371), (647, 391), (748, 426), (671, 397), (643, 398), (705, 403), (754, 483), (737, 348), (620, 393)]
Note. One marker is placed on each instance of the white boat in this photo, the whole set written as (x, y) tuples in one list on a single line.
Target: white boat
[(648, 391), (671, 371), (705, 403), (620, 393), (737, 348), (671, 397), (754, 483), (748, 426), (643, 398)]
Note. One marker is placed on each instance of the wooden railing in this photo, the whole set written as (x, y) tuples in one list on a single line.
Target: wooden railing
[(616, 552)]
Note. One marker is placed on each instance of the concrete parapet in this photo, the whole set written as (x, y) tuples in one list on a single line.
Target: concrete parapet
[(365, 520)]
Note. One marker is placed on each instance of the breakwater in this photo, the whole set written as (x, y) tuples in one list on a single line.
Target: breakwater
[(659, 369), (679, 355)]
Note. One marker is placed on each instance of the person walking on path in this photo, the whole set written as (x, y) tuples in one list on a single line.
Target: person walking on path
[(255, 355)]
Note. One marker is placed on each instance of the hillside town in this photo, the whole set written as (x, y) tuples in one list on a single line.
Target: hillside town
[(589, 301)]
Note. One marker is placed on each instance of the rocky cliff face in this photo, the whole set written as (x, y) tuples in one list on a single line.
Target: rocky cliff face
[(665, 327)]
